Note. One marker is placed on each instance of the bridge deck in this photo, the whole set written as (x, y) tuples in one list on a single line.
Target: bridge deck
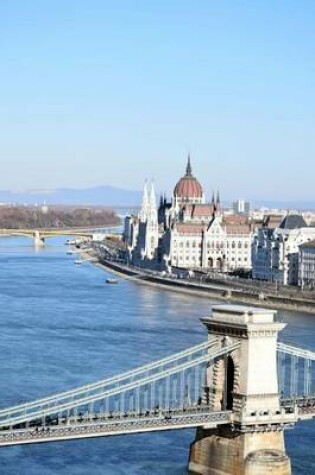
[(101, 425), (305, 406)]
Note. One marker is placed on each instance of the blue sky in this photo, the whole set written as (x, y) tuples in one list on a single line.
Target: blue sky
[(100, 91)]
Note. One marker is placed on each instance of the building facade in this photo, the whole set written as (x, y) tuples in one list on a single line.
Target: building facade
[(275, 250), (307, 265)]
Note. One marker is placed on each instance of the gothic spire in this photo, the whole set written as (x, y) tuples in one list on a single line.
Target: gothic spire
[(188, 167), (152, 196), (145, 203), (218, 198), (213, 198)]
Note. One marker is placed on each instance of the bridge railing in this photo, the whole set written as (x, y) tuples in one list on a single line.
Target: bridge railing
[(72, 394), (173, 382), (296, 372)]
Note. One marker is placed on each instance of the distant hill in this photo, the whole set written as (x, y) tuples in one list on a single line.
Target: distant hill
[(115, 197), (99, 195)]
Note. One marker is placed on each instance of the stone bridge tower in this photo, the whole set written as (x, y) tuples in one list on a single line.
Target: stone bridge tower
[(246, 383)]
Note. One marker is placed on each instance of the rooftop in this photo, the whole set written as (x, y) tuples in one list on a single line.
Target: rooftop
[(242, 309), (231, 315), (293, 221)]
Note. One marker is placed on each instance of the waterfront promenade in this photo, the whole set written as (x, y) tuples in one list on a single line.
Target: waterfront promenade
[(70, 327), (209, 286)]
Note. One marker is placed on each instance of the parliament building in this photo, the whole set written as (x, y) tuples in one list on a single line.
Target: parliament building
[(187, 232)]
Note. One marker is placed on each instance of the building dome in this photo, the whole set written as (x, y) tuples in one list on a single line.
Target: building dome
[(188, 187)]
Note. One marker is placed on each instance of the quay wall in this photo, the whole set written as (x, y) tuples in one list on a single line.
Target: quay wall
[(220, 291)]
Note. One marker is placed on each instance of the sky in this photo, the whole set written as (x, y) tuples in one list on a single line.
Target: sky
[(97, 92)]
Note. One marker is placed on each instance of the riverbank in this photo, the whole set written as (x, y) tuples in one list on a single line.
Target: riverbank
[(225, 292)]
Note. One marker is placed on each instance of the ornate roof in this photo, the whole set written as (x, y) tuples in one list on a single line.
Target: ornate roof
[(188, 186)]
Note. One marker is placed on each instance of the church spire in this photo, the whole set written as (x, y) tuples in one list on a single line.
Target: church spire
[(188, 167), (218, 203), (213, 198), (218, 198), (152, 197), (145, 204)]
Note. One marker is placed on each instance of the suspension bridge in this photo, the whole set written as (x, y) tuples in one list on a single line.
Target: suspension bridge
[(240, 386)]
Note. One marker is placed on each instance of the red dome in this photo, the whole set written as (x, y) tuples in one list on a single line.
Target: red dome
[(188, 186)]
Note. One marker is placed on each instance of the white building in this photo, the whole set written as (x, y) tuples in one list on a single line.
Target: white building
[(307, 265), (275, 250), (188, 232)]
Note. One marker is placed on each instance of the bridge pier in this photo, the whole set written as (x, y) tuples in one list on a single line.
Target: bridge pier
[(246, 383), (38, 241), (225, 452)]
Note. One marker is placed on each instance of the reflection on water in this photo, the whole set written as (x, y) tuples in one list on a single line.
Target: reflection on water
[(61, 326)]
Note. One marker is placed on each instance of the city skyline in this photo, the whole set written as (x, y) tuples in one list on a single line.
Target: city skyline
[(104, 94)]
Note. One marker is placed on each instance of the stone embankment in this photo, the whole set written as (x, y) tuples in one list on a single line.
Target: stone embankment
[(215, 290)]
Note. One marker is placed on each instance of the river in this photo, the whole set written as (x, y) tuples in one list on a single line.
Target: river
[(62, 326)]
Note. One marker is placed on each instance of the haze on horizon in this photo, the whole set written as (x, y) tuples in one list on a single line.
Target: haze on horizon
[(98, 92)]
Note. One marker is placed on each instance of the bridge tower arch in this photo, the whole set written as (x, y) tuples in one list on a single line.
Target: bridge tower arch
[(246, 383)]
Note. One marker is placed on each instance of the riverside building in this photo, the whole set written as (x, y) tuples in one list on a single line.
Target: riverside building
[(188, 232), (307, 265), (275, 249)]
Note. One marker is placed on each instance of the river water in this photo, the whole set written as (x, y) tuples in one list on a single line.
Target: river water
[(62, 326)]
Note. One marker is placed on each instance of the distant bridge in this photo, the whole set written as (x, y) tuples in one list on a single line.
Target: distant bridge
[(40, 235)]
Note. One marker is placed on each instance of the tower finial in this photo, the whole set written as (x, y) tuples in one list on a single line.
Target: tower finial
[(188, 167)]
